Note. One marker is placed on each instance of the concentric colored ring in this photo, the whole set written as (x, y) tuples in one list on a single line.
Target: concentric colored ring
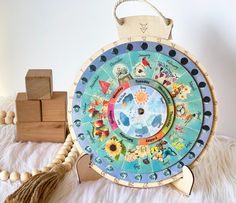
[(117, 156)]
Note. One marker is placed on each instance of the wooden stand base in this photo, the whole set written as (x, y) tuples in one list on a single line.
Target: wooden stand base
[(85, 173), (185, 184)]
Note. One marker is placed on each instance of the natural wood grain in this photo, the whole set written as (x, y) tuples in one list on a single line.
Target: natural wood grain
[(55, 108), (101, 51), (27, 110), (145, 26), (185, 184), (85, 173), (39, 84), (41, 131)]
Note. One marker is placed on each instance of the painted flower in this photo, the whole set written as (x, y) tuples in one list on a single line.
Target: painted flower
[(183, 96), (186, 89), (130, 156), (179, 129), (113, 147), (142, 150), (178, 146), (158, 156)]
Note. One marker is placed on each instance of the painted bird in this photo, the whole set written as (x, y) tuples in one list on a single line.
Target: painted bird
[(188, 118), (146, 63)]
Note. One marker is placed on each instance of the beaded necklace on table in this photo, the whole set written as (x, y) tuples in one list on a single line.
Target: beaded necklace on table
[(66, 155)]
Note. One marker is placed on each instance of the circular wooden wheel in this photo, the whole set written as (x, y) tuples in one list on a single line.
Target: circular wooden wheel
[(143, 108)]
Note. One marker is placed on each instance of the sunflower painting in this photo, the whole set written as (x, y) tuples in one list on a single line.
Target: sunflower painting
[(115, 148)]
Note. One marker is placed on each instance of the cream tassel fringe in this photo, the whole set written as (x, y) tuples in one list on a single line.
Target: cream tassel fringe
[(38, 188)]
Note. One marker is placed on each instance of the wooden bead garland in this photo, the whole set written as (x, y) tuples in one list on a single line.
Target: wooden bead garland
[(2, 121), (35, 172), (9, 120), (25, 176), (61, 157), (62, 152), (3, 114), (10, 114), (7, 117), (67, 154), (4, 175), (2, 117), (68, 166), (57, 161), (15, 120), (14, 176)]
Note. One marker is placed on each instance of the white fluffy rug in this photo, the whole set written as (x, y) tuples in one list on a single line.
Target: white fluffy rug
[(215, 176)]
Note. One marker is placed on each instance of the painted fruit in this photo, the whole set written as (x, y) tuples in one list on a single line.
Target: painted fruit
[(98, 123), (105, 133), (98, 132)]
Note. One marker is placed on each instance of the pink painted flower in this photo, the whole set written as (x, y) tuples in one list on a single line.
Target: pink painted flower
[(130, 157), (179, 129)]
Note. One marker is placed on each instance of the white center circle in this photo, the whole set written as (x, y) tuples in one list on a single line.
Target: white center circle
[(140, 111)]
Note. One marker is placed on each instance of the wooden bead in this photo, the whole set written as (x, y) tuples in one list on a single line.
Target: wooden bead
[(50, 166), (14, 120), (67, 165), (75, 150), (66, 147), (68, 143), (69, 138), (10, 114), (14, 176), (3, 114), (73, 155), (45, 169), (74, 146), (4, 175), (63, 152), (57, 161), (2, 121), (25, 176), (8, 120), (61, 157), (70, 160), (35, 172)]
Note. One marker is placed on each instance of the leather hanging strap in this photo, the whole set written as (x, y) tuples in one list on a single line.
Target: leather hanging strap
[(158, 25)]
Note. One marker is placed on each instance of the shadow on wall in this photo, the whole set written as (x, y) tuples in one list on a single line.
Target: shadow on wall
[(220, 61)]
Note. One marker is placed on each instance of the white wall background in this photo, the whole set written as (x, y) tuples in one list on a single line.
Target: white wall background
[(62, 34)]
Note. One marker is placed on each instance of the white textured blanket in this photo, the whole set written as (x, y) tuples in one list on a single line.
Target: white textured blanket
[(215, 176)]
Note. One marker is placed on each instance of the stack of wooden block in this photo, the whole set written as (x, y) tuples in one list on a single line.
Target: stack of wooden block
[(41, 113)]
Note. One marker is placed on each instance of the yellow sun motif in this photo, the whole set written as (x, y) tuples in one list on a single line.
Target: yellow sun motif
[(141, 97), (113, 147)]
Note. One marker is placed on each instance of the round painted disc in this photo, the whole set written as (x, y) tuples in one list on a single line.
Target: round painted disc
[(143, 110)]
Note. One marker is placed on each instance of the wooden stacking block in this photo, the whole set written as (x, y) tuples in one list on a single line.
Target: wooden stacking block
[(39, 84), (55, 108), (27, 110), (41, 131)]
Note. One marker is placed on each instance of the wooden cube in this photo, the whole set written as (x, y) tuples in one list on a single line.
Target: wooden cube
[(27, 110), (55, 108), (39, 84), (41, 131)]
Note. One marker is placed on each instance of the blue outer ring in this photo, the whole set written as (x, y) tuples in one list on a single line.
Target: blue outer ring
[(207, 107)]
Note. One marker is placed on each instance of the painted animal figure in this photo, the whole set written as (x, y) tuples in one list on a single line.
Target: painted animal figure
[(168, 152), (145, 62), (165, 76), (157, 121), (139, 70)]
